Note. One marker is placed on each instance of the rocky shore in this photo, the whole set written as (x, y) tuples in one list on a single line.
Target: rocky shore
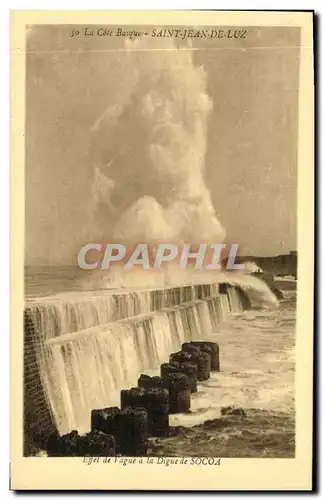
[(238, 433)]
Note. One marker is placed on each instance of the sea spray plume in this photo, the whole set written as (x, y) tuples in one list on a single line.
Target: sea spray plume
[(251, 267), (152, 151), (148, 157)]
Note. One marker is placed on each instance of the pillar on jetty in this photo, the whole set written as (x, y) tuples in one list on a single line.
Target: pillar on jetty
[(105, 420), (133, 432), (212, 348), (156, 403), (179, 392), (129, 428), (201, 359), (93, 444), (178, 386), (191, 348), (188, 368)]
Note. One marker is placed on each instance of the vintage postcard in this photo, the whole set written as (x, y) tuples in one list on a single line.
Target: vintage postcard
[(162, 250)]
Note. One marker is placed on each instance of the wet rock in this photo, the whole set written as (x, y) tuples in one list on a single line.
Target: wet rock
[(96, 444), (201, 359), (180, 399), (211, 348), (188, 368), (68, 445), (156, 403), (204, 366), (178, 386), (232, 410), (133, 432), (182, 356), (129, 428), (105, 420), (53, 445), (148, 382), (191, 348)]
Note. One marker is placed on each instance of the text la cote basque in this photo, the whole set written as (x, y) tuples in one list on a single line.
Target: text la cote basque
[(166, 33)]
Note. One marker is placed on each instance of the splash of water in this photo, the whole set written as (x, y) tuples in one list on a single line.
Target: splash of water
[(149, 153), (87, 369), (63, 313)]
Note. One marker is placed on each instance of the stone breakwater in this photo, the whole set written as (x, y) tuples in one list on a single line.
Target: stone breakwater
[(142, 426), (82, 349), (144, 410)]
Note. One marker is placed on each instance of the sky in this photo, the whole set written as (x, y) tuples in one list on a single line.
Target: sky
[(251, 138)]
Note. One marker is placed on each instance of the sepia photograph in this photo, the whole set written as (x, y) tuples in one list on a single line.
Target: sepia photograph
[(161, 242)]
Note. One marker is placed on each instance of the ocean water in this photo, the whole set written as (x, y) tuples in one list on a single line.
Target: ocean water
[(41, 281), (257, 353)]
